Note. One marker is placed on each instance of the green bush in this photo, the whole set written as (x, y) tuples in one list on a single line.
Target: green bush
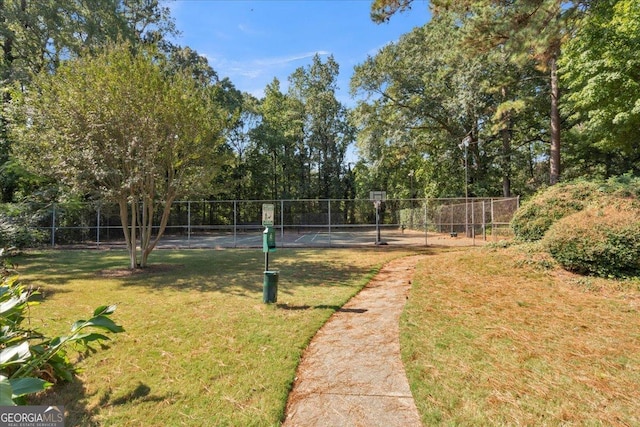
[(624, 186), (17, 229), (534, 218), (601, 240)]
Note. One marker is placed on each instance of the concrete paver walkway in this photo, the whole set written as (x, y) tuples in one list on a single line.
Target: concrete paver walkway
[(352, 374)]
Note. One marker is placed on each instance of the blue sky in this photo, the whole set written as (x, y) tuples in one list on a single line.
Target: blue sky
[(253, 41)]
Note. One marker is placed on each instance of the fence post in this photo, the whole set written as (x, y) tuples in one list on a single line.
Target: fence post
[(282, 222), (98, 227), (329, 212), (484, 220), (53, 226), (466, 217), (451, 215), (493, 226), (235, 222), (426, 221), (473, 223), (189, 223)]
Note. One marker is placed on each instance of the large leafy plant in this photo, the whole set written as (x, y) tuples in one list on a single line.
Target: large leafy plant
[(29, 361)]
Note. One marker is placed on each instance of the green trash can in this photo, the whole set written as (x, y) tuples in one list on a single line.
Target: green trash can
[(270, 287)]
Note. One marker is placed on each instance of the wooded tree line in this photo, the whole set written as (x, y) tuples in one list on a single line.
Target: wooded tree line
[(293, 144), (98, 103), (512, 76), (531, 83), (289, 145)]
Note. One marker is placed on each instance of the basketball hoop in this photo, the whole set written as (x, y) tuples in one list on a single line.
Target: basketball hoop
[(378, 195)]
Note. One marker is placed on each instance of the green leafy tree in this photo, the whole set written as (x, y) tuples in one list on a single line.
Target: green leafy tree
[(531, 29), (37, 35), (276, 140), (423, 97), (117, 127), (383, 10), (528, 30), (430, 90), (326, 127), (240, 140), (600, 67)]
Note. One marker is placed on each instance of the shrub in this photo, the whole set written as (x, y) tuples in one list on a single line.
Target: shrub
[(18, 230), (601, 240), (624, 186), (534, 218)]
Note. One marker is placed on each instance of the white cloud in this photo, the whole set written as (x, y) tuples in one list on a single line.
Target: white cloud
[(281, 60), (255, 68)]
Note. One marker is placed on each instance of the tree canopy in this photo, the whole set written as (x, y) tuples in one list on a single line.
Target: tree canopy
[(525, 30), (600, 67), (426, 93), (117, 127), (38, 35)]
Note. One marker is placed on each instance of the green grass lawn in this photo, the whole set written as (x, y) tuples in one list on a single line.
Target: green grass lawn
[(497, 337), (489, 336), (200, 347)]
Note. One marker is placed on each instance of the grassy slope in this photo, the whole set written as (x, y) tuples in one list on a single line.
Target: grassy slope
[(200, 347), (491, 338)]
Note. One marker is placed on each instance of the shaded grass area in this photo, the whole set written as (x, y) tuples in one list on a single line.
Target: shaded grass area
[(490, 338), (200, 347)]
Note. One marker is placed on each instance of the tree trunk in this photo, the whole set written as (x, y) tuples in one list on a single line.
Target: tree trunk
[(166, 212), (506, 169), (146, 231), (554, 158), (506, 149), (129, 230)]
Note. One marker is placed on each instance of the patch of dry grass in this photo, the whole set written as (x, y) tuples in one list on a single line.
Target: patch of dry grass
[(491, 340)]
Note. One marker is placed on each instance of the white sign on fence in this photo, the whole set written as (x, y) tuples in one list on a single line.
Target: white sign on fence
[(268, 214)]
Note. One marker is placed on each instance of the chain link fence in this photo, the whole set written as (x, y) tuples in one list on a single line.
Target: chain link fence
[(238, 223)]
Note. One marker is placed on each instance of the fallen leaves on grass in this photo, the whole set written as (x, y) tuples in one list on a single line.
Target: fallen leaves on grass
[(515, 344)]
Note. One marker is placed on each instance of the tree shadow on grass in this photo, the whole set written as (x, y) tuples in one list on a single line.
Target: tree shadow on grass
[(59, 267), (236, 272), (77, 401), (71, 395), (241, 273), (250, 280), (46, 292), (322, 307), (241, 276), (142, 393)]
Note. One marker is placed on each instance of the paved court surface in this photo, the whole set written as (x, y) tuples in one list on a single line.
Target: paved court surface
[(292, 239), (352, 374)]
